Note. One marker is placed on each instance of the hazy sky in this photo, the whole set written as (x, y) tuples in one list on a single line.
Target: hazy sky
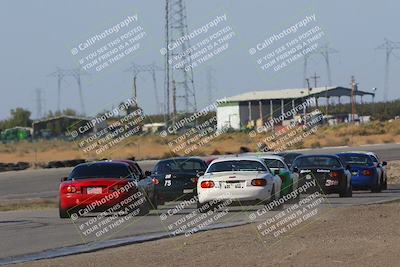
[(37, 36)]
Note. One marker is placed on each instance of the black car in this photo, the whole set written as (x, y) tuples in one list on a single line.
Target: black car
[(177, 177), (288, 157), (328, 171)]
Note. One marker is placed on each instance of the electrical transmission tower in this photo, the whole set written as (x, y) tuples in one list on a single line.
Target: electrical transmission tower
[(60, 74), (39, 103), (150, 68), (210, 83), (325, 50), (178, 77), (388, 46)]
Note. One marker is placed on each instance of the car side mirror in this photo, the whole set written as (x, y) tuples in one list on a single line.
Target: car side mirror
[(147, 173), (384, 163), (276, 172), (348, 167), (295, 169), (200, 174), (64, 179)]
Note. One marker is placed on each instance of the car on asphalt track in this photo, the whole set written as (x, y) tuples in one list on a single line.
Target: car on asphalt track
[(380, 166), (145, 182), (328, 171), (288, 157), (176, 178), (278, 167), (101, 186), (242, 179), (363, 171)]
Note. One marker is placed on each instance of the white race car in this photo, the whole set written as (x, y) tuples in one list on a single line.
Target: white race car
[(238, 179)]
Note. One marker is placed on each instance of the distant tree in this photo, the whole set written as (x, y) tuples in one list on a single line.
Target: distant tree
[(19, 117)]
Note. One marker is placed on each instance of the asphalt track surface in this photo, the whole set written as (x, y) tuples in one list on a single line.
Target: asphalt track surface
[(29, 232)]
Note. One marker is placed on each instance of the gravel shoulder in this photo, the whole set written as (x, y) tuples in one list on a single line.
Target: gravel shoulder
[(353, 236)]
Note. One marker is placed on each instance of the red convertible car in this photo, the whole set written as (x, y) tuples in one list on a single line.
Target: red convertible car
[(101, 186)]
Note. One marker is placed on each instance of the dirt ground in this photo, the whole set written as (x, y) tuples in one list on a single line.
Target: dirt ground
[(353, 236), (393, 172)]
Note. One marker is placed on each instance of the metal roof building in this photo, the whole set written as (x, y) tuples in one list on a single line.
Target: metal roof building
[(240, 110)]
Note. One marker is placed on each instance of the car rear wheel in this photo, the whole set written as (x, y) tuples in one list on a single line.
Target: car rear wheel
[(275, 198), (63, 213), (144, 209), (377, 187), (384, 186), (347, 192), (154, 202)]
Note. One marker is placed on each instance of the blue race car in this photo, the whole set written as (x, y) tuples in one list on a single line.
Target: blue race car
[(363, 171)]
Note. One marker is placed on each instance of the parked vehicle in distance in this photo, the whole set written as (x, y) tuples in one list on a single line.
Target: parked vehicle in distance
[(239, 179), (144, 182), (278, 167), (328, 171), (100, 186), (288, 157), (176, 178), (363, 171)]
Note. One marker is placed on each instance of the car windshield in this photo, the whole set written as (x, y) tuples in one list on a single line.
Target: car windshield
[(236, 165), (100, 171), (288, 157), (317, 161), (179, 166), (360, 160), (274, 164)]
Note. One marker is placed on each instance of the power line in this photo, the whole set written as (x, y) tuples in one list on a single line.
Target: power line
[(135, 69), (388, 46), (60, 74)]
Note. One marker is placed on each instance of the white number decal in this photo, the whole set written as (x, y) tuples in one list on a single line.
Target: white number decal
[(167, 183)]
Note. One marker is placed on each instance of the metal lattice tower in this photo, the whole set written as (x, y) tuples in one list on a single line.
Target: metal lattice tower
[(388, 46), (325, 50), (60, 74), (178, 78), (210, 83), (39, 103), (150, 68)]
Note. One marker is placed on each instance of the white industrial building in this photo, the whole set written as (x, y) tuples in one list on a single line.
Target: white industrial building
[(258, 106)]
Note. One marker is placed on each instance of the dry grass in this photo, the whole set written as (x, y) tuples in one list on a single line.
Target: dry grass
[(155, 146), (28, 204)]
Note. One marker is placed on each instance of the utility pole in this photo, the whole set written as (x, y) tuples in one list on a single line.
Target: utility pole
[(176, 46), (388, 46), (315, 78), (60, 74), (353, 98)]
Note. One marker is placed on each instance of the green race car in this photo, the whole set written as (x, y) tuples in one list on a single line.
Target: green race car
[(278, 166)]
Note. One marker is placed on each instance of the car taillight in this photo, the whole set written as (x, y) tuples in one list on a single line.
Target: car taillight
[(367, 172), (282, 178), (334, 175), (71, 189), (207, 184), (259, 182), (155, 181)]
